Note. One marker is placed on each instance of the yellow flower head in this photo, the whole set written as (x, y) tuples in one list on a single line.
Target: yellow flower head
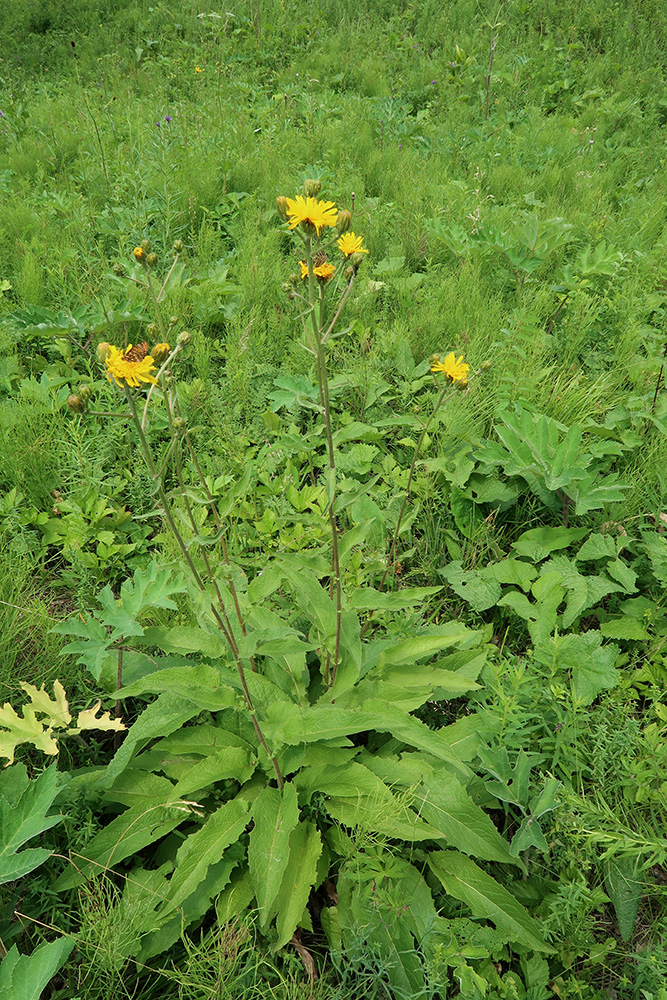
[(160, 352), (455, 369), (197, 69), (323, 271), (349, 244), (310, 212), (139, 253), (132, 370)]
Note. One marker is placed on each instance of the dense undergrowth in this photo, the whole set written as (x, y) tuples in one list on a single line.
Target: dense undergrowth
[(464, 791)]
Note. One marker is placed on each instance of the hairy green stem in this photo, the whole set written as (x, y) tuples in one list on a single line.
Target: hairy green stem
[(413, 465), (220, 618)]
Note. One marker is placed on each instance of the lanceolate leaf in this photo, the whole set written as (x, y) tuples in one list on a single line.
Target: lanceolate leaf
[(446, 805), (205, 848), (463, 880), (163, 716), (129, 833), (305, 847), (276, 816)]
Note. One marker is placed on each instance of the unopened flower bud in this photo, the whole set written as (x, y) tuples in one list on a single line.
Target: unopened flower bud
[(178, 246), (151, 260), (281, 207), (160, 352), (356, 259), (294, 279), (84, 391), (312, 187), (286, 286), (184, 338), (343, 221), (75, 403), (173, 320), (119, 270), (152, 330), (349, 273), (179, 426), (146, 246), (139, 253), (103, 351), (434, 360), (486, 365)]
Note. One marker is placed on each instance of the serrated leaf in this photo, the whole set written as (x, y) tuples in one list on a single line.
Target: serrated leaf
[(365, 598), (166, 714), (479, 588), (25, 977), (22, 817), (203, 848), (305, 847), (624, 628), (276, 816), (463, 880), (539, 543), (126, 835), (445, 804), (625, 885)]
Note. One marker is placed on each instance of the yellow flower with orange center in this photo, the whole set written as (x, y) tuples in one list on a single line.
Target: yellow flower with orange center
[(455, 369), (127, 367), (310, 212), (349, 244)]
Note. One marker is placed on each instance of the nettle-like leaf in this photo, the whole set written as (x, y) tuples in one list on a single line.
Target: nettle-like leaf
[(24, 805), (25, 977)]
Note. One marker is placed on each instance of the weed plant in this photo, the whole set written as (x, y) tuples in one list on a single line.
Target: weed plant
[(507, 169)]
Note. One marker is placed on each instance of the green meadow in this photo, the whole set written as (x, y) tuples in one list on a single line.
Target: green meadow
[(333, 500)]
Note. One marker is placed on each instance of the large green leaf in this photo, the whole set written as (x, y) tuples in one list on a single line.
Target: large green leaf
[(276, 816), (485, 897), (204, 848), (24, 804), (163, 716), (24, 977), (136, 828), (305, 847), (446, 805)]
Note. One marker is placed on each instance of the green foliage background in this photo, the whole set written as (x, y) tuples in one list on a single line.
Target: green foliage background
[(532, 236)]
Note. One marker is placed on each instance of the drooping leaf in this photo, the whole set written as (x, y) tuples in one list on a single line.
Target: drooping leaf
[(276, 815), (445, 804), (485, 897), (305, 847), (205, 848)]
